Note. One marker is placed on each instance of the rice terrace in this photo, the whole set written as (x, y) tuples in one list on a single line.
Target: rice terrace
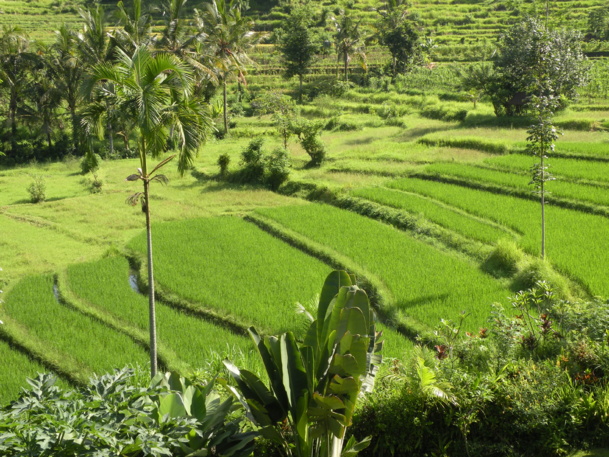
[(304, 228)]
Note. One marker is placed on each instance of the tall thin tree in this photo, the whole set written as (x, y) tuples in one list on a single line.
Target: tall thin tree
[(155, 93), (229, 36)]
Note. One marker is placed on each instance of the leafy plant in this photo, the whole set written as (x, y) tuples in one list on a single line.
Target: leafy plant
[(315, 385), (308, 134), (37, 189), (113, 416), (223, 163), (90, 163), (277, 168)]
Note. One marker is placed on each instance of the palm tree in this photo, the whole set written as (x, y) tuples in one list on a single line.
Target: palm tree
[(229, 35), (348, 41), (67, 72), (16, 63), (136, 28), (96, 46), (155, 93)]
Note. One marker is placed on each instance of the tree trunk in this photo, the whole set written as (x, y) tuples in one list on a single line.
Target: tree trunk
[(110, 131), (151, 301), (225, 105), (346, 64), (300, 89), (543, 208), (13, 119), (75, 130)]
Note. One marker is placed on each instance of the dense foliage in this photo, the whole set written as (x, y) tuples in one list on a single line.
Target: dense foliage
[(528, 48), (114, 416), (315, 384), (534, 384)]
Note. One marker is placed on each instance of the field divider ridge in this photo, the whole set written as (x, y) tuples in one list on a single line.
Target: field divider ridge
[(64, 365), (44, 224), (433, 234), (380, 295), (170, 298), (167, 357), (507, 230), (561, 202)]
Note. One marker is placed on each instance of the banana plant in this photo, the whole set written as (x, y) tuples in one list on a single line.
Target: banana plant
[(315, 384)]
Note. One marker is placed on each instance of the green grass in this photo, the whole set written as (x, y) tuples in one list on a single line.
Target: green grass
[(521, 181), (16, 368), (105, 285), (427, 284), (95, 347), (447, 217), (235, 269), (572, 238), (584, 170)]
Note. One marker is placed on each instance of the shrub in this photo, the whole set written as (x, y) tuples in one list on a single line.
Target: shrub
[(37, 189), (504, 260), (271, 170), (96, 184), (277, 168), (223, 163), (253, 162), (89, 163), (114, 416), (308, 135)]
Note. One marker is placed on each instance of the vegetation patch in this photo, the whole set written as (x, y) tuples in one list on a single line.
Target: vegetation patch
[(427, 284)]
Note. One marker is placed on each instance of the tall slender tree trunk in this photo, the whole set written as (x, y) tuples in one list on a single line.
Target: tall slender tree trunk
[(151, 300), (75, 129), (110, 131), (300, 89), (225, 105), (13, 119), (346, 66), (543, 207)]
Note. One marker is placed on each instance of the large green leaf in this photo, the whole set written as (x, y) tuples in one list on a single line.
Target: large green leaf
[(254, 391), (331, 287), (351, 320), (171, 405), (272, 363), (353, 447), (294, 375)]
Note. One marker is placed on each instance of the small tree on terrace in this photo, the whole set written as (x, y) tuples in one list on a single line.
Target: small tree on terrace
[(598, 23), (229, 36), (399, 34), (514, 78), (298, 44), (349, 42), (155, 93), (543, 133)]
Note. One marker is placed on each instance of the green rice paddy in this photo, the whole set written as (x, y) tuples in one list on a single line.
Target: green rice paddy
[(427, 284)]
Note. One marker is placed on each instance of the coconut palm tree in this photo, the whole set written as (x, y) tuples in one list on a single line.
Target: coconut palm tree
[(16, 63), (229, 37), (67, 72), (349, 42), (154, 92)]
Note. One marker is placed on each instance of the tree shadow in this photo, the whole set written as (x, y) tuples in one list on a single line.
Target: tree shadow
[(490, 120), (361, 141), (423, 300), (417, 132)]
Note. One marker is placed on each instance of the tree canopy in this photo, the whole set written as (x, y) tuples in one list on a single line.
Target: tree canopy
[(524, 49)]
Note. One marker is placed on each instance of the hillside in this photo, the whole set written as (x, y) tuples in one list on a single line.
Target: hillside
[(460, 29)]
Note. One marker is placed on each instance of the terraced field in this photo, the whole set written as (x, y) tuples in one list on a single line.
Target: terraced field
[(417, 154)]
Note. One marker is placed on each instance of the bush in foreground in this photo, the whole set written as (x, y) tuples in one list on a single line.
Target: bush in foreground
[(114, 416), (533, 383)]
